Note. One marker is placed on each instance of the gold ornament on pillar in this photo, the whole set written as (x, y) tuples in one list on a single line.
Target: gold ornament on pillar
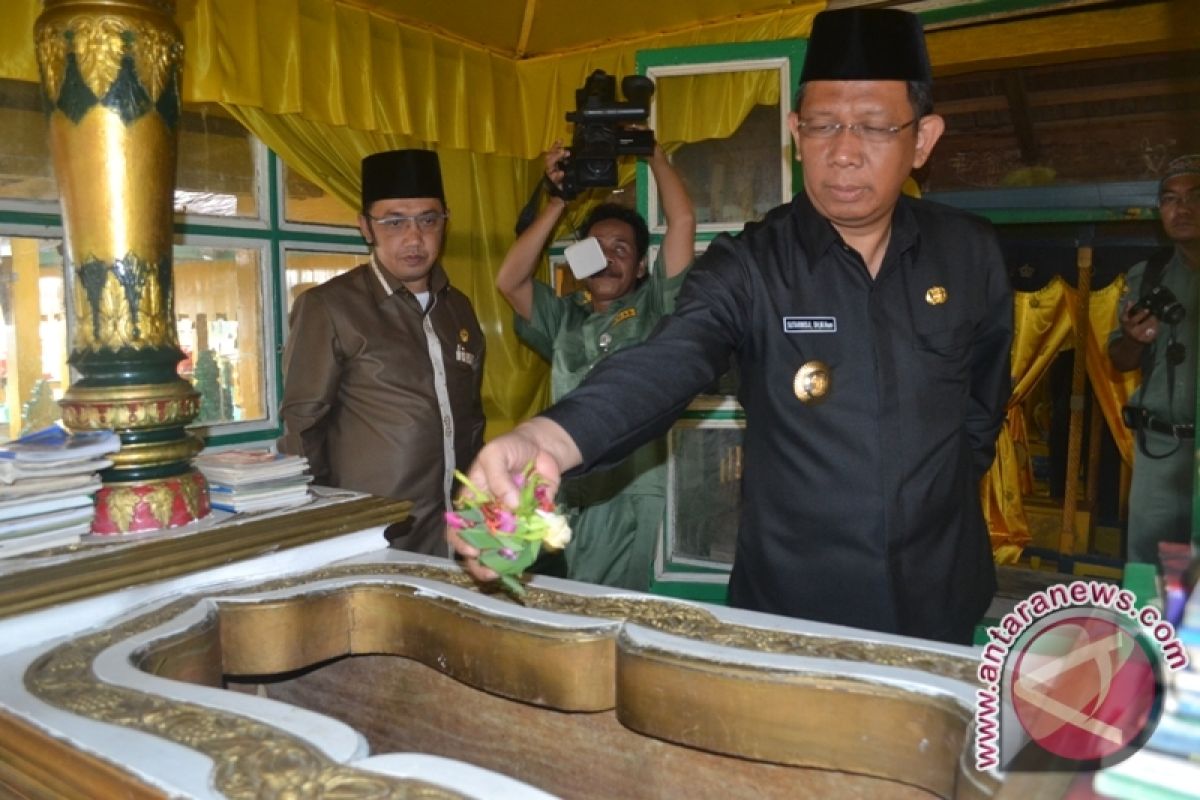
[(110, 76)]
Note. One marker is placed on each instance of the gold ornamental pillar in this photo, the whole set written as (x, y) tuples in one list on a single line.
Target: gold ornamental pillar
[(110, 75)]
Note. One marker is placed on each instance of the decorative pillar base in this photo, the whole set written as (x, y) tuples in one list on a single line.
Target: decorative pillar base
[(150, 505), (150, 485)]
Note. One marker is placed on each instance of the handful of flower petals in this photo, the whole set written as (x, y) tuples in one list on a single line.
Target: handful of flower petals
[(509, 540)]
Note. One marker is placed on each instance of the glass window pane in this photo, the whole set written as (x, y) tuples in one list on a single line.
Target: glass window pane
[(307, 202), (737, 173), (219, 312), (218, 174), (705, 462), (34, 344), (26, 171), (304, 269)]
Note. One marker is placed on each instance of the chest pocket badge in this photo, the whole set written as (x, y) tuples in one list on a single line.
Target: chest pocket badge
[(812, 382), (935, 295)]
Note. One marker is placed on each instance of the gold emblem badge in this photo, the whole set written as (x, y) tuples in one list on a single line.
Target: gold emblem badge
[(812, 382), (935, 295), (463, 335), (624, 314)]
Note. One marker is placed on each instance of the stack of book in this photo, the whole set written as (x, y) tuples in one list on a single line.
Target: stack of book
[(47, 482), (244, 481)]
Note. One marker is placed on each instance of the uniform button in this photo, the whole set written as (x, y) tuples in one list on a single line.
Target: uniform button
[(446, 424)]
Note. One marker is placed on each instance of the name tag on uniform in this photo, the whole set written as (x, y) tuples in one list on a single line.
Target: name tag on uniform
[(810, 324), (464, 355)]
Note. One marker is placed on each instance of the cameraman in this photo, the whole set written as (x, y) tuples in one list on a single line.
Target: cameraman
[(614, 514), (1162, 411)]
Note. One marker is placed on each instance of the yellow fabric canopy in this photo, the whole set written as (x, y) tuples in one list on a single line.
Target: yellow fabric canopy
[(345, 66)]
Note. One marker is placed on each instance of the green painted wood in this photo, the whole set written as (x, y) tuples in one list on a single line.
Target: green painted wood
[(967, 9), (717, 593)]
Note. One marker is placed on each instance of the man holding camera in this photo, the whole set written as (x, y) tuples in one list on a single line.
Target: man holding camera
[(615, 513), (872, 335), (1157, 333)]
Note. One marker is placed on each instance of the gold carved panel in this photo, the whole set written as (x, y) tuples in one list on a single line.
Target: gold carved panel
[(677, 672)]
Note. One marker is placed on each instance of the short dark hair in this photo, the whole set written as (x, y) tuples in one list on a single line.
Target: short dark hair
[(920, 97), (641, 232)]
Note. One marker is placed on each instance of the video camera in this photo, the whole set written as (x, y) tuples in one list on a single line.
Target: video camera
[(602, 132)]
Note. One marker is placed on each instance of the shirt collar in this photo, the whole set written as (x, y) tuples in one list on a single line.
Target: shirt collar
[(817, 234), (384, 284)]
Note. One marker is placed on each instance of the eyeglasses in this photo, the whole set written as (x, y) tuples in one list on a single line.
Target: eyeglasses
[(876, 134), (426, 223), (1172, 199)]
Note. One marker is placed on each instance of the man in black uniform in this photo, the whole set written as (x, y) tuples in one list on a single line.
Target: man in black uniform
[(872, 336)]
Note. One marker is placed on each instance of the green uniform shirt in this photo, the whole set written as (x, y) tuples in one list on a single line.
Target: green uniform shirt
[(614, 513)]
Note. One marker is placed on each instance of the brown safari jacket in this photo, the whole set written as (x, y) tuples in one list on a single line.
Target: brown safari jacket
[(382, 397)]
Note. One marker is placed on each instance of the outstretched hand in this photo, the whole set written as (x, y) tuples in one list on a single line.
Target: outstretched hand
[(493, 472)]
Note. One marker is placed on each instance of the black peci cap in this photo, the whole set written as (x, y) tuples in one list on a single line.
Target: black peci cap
[(867, 44), (401, 173)]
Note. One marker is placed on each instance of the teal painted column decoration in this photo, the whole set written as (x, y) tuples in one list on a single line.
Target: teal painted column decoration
[(110, 75)]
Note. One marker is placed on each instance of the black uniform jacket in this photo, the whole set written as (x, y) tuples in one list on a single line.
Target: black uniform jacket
[(862, 510), (361, 372)]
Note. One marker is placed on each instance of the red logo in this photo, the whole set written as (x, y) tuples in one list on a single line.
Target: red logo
[(1083, 688)]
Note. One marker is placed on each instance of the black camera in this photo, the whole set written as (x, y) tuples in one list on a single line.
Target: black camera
[(1160, 302), (1133, 417), (602, 132)]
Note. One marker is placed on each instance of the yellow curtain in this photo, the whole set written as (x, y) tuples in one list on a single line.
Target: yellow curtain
[(17, 59), (345, 66), (1112, 388), (695, 107), (1041, 325)]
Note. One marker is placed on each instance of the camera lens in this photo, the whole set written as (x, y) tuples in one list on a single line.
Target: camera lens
[(1173, 312)]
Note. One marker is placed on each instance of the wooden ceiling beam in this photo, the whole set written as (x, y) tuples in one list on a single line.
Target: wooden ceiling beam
[(1082, 94), (1106, 32), (1018, 111), (1115, 91), (1189, 118), (526, 27)]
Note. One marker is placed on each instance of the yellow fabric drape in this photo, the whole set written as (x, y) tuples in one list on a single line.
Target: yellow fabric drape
[(1112, 389), (342, 65), (1041, 325), (17, 59), (695, 107)]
